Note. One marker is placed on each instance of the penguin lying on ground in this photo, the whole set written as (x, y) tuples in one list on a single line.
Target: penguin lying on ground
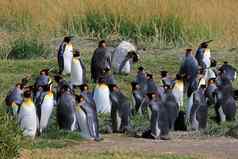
[(123, 57), (121, 111), (44, 106), (87, 120), (66, 109), (101, 96), (27, 117), (199, 110), (78, 70)]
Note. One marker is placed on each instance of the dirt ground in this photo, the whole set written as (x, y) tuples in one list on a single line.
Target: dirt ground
[(208, 148)]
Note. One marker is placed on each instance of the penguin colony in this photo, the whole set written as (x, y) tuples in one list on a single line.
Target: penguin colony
[(198, 78)]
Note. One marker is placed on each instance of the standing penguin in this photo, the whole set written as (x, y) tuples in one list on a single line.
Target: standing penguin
[(203, 55), (78, 70), (100, 61), (120, 110), (225, 106), (141, 79), (199, 110), (44, 106), (123, 56), (138, 98), (27, 117), (178, 90), (87, 120), (229, 71), (159, 121), (66, 109), (170, 103), (14, 99), (199, 81), (65, 55), (101, 96), (210, 91), (42, 80), (189, 70)]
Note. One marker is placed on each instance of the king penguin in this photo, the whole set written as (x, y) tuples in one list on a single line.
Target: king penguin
[(14, 99), (101, 96), (45, 106), (78, 70), (66, 109), (199, 110), (87, 120), (121, 111), (65, 55), (27, 116)]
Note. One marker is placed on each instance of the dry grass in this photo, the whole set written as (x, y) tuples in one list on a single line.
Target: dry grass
[(49, 15)]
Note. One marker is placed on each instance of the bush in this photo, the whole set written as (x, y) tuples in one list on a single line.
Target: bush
[(27, 46), (10, 137)]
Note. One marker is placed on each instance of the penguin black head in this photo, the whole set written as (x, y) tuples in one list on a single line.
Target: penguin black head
[(113, 87), (179, 77), (163, 74), (57, 78), (135, 85), (149, 76), (133, 55), (141, 68), (151, 95), (203, 86), (204, 45), (188, 51), (27, 94), (67, 39), (102, 44), (79, 98), (213, 63), (83, 87), (76, 53), (101, 80), (44, 72)]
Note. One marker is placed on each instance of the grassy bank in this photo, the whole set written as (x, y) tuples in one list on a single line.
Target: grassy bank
[(164, 22)]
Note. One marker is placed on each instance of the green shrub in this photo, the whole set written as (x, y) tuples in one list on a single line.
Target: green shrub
[(26, 46), (10, 137)]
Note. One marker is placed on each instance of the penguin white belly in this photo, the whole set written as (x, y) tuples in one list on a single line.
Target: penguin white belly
[(102, 99), (178, 92), (127, 67), (46, 110), (209, 74), (28, 120), (68, 55), (206, 58), (76, 73), (235, 76), (82, 121)]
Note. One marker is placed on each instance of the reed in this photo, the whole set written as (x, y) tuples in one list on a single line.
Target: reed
[(174, 22)]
